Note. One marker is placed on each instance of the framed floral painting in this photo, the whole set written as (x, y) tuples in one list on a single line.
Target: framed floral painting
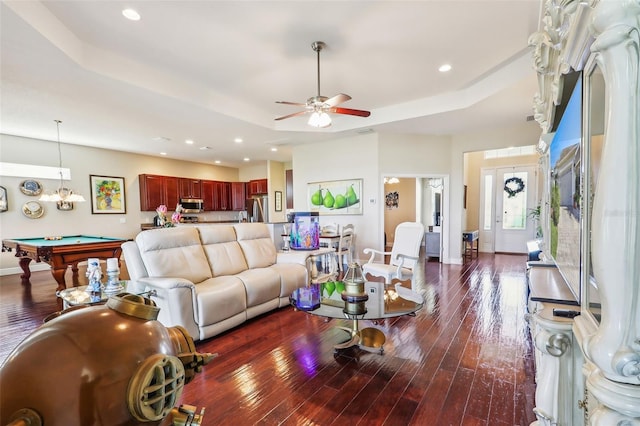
[(107, 195)]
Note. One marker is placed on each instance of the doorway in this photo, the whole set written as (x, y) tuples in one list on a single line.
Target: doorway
[(417, 199), (507, 195)]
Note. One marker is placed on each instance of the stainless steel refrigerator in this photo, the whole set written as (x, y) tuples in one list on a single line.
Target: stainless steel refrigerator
[(258, 208)]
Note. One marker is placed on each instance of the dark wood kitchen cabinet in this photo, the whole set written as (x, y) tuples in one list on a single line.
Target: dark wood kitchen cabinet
[(156, 190), (215, 195), (223, 193), (206, 187), (190, 188), (258, 187), (238, 196)]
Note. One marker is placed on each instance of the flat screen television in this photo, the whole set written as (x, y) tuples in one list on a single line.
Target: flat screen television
[(565, 209)]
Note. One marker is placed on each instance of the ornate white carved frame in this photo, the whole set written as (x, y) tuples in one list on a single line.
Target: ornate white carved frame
[(605, 33)]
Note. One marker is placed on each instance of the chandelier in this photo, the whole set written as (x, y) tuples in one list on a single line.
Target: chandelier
[(62, 194)]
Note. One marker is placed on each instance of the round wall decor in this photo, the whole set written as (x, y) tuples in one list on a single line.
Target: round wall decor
[(32, 209), (30, 187)]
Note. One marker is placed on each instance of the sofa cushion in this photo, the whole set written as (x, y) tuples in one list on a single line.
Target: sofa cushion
[(219, 298), (223, 251), (292, 276), (257, 245), (261, 284), (174, 252)]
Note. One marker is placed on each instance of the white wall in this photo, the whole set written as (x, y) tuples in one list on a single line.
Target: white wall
[(348, 158), (84, 161), (527, 133), (253, 172), (368, 157), (418, 156), (276, 182), (373, 156), (413, 154)]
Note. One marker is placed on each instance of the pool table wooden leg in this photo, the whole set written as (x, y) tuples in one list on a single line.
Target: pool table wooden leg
[(74, 269), (26, 272), (58, 274)]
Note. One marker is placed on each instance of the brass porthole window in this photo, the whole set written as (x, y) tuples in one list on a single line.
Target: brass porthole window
[(155, 387)]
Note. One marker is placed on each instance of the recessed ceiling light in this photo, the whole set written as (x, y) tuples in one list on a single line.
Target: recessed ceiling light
[(274, 149), (217, 161), (163, 153), (238, 140), (131, 14), (205, 148), (189, 142), (247, 159), (444, 68)]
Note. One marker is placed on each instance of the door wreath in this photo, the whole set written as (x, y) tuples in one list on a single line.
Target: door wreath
[(513, 186)]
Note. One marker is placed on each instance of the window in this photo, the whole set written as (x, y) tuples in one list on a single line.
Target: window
[(488, 202), (510, 152)]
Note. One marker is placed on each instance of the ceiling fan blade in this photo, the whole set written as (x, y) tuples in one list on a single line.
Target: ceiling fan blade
[(290, 103), (337, 99), (349, 111), (291, 115)]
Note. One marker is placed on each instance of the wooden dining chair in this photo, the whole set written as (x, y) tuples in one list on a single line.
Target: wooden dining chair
[(328, 229), (345, 246)]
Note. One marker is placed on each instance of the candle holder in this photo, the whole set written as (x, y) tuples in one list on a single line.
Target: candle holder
[(113, 280)]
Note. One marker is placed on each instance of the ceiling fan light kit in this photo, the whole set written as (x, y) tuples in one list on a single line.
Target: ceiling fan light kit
[(320, 106), (319, 119)]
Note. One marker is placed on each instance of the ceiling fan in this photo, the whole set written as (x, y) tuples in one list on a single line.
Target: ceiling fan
[(320, 106)]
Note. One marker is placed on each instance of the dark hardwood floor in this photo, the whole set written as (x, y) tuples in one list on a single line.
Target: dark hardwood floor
[(465, 359)]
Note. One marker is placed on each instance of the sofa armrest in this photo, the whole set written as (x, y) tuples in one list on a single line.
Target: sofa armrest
[(299, 257), (176, 298), (135, 265), (165, 283)]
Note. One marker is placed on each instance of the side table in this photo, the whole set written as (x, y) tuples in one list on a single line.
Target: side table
[(471, 243), (320, 263)]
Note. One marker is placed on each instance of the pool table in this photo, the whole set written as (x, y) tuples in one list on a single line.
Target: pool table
[(62, 252)]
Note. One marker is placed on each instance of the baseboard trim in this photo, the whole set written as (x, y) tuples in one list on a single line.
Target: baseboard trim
[(18, 270)]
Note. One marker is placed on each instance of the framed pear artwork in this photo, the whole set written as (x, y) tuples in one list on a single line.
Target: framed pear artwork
[(336, 197)]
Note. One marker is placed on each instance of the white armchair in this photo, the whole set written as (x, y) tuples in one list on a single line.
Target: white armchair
[(404, 254)]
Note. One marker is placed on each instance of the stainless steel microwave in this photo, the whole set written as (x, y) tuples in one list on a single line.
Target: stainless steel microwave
[(192, 205)]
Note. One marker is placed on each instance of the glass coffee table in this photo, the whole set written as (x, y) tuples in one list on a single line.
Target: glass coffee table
[(383, 302), (78, 296)]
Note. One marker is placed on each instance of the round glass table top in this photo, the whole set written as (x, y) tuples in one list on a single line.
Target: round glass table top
[(75, 296), (383, 302), (80, 296)]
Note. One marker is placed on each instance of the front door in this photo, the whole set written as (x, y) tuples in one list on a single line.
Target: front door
[(514, 196)]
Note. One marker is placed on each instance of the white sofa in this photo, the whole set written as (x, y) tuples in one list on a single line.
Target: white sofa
[(211, 278)]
